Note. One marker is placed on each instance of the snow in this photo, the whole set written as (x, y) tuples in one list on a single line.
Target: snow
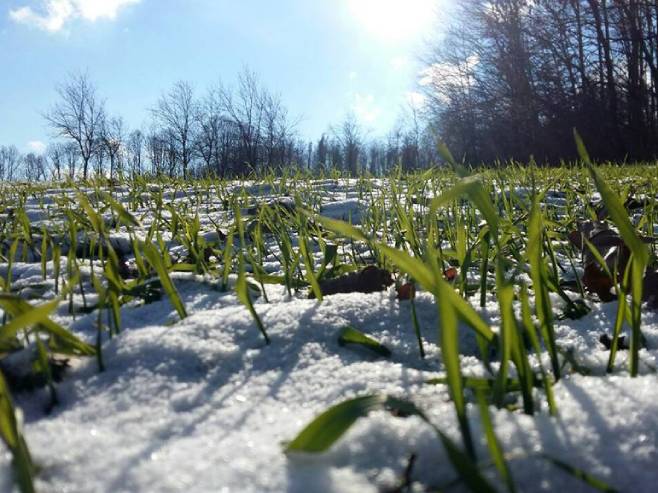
[(350, 210), (202, 404)]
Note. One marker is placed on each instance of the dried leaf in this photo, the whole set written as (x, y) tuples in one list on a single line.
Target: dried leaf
[(368, 280), (598, 282), (612, 250)]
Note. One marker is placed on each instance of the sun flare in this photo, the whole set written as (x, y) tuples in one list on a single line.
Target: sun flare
[(393, 19)]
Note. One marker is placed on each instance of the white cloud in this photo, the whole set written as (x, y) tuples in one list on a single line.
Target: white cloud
[(99, 9), (53, 15), (36, 146), (365, 108), (50, 18)]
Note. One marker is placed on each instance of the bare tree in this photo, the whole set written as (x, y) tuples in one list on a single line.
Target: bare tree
[(55, 153), (111, 136), (34, 167), (278, 129), (211, 126), (71, 154), (9, 161), (78, 116), (155, 149), (135, 151), (321, 152), (100, 156), (176, 114), (513, 77), (244, 108), (349, 135)]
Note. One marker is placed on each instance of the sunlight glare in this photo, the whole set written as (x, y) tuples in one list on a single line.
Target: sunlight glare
[(393, 19)]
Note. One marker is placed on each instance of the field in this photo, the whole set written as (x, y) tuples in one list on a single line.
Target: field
[(435, 331)]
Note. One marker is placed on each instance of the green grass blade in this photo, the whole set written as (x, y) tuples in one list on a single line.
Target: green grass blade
[(539, 282), (450, 354), (23, 319), (308, 264), (495, 450), (328, 427), (349, 335), (321, 433), (410, 265), (424, 275), (155, 259), (465, 467), (340, 227), (65, 341), (242, 292), (506, 338), (577, 473), (124, 216), (639, 260), (620, 217), (11, 435), (531, 332), (580, 147), (471, 187)]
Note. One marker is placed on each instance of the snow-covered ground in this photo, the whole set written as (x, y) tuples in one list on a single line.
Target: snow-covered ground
[(202, 404)]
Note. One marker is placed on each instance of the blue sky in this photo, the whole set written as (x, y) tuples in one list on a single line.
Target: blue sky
[(324, 57)]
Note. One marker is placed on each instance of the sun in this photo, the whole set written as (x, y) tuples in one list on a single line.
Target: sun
[(393, 20)]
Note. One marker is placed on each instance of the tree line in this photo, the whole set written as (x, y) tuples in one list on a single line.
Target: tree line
[(225, 132), (511, 78)]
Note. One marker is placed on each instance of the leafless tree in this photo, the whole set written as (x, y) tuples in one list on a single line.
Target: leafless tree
[(244, 108), (210, 136), (176, 115), (9, 161), (112, 135), (231, 131), (322, 152), (350, 136), (34, 167), (277, 129), (513, 77), (155, 149), (71, 155), (78, 116), (135, 151), (55, 153)]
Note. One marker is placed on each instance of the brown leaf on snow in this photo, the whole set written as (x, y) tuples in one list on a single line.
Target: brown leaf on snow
[(598, 282), (616, 254), (611, 247), (368, 280)]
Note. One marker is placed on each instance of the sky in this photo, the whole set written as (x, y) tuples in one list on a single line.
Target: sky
[(326, 58)]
